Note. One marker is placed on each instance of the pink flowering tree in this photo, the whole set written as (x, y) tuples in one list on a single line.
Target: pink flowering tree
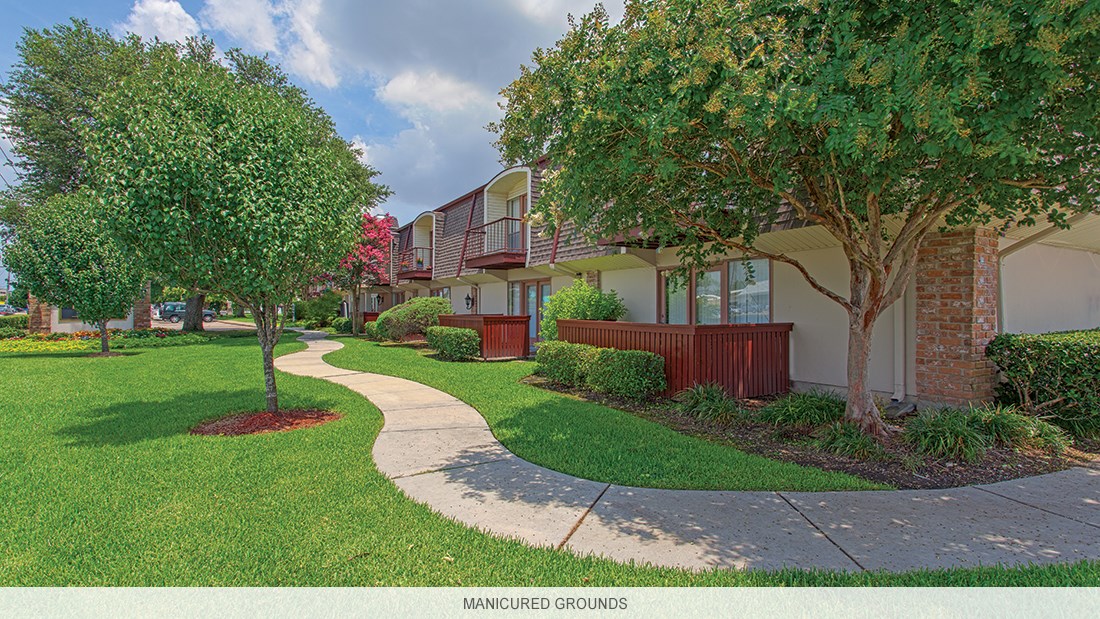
[(368, 263)]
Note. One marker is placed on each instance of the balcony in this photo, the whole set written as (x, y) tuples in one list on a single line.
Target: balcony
[(500, 244), (415, 263)]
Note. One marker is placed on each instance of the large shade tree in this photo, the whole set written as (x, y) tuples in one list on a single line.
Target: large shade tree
[(701, 121), (227, 184), (367, 264), (63, 254)]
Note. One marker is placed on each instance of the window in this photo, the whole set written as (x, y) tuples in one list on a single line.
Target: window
[(734, 292), (515, 298), (749, 291), (444, 292), (517, 208)]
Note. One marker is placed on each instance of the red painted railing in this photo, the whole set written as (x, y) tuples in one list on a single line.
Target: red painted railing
[(502, 337), (747, 360)]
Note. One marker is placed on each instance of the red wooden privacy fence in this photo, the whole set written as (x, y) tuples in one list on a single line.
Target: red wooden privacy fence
[(747, 360), (370, 316), (502, 337)]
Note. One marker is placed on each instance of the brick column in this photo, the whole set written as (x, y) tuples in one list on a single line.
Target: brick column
[(38, 316), (592, 278), (143, 319), (956, 316)]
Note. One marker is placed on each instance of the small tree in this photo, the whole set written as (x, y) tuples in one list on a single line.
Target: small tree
[(64, 255), (367, 264), (703, 121), (229, 185)]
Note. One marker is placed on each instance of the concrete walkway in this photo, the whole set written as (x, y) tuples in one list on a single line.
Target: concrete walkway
[(440, 452)]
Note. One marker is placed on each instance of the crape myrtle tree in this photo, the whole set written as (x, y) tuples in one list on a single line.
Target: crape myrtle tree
[(367, 264), (63, 254), (700, 121), (227, 184)]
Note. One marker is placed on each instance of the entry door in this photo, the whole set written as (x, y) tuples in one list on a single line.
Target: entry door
[(536, 294)]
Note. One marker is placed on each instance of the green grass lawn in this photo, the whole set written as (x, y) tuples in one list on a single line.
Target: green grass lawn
[(586, 439), (101, 484)]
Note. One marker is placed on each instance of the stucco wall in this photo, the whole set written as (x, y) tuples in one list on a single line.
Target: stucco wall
[(70, 326), (638, 290), (1047, 288)]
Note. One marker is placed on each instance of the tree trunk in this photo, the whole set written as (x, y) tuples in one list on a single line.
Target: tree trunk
[(104, 346), (238, 310), (356, 315), (192, 318), (266, 318), (861, 409)]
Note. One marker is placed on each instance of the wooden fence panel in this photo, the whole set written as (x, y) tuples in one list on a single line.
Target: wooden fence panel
[(502, 337)]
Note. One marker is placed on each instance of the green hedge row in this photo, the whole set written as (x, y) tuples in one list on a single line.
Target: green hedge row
[(14, 322), (454, 343), (623, 373), (1055, 375)]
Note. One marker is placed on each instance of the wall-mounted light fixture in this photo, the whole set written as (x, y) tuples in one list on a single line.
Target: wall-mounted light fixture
[(469, 302)]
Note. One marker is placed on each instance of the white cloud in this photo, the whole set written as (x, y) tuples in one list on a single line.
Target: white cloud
[(310, 56), (249, 21), (163, 19), (430, 91)]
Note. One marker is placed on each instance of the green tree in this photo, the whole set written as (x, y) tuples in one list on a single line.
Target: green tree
[(228, 185), (701, 121), (64, 255), (49, 95)]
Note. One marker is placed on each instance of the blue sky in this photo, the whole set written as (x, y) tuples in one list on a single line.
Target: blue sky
[(414, 82)]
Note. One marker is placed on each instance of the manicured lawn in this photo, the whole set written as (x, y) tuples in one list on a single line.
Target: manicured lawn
[(586, 439), (100, 484)]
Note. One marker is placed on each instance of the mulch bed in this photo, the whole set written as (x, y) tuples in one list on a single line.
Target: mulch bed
[(903, 468), (263, 422)]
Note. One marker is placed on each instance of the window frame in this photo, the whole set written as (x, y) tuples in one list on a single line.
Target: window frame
[(722, 267)]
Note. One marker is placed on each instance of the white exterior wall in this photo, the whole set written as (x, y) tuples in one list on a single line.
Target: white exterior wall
[(71, 326), (1046, 288), (638, 290), (493, 298)]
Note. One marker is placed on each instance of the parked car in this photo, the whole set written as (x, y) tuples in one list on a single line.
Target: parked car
[(8, 310), (173, 311)]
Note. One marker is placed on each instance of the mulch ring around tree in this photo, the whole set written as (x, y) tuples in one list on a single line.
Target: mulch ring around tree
[(902, 469), (264, 422)]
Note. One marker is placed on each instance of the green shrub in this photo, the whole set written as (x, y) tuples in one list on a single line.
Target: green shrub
[(1053, 374), (847, 439), (453, 343), (810, 409), (341, 325), (7, 333), (709, 402), (413, 317), (320, 311), (947, 433), (14, 322), (1006, 426), (563, 362), (578, 301), (632, 374), (369, 331)]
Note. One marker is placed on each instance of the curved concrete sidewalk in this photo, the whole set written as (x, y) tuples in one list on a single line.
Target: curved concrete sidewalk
[(440, 452)]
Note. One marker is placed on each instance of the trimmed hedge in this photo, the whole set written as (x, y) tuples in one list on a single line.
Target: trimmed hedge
[(563, 362), (454, 343), (341, 325), (10, 332), (624, 373), (412, 317), (1056, 375), (578, 301), (369, 331), (14, 322)]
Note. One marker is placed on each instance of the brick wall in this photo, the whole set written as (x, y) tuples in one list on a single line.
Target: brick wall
[(38, 318), (143, 319), (592, 278), (956, 315)]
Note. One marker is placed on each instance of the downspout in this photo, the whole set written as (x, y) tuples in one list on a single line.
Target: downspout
[(899, 347), (466, 235), (554, 256)]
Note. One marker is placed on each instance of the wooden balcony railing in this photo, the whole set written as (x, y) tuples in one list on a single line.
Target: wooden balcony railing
[(500, 244), (415, 263), (746, 360), (502, 337)]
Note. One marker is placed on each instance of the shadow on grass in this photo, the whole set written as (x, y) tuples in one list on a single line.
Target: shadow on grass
[(132, 422)]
